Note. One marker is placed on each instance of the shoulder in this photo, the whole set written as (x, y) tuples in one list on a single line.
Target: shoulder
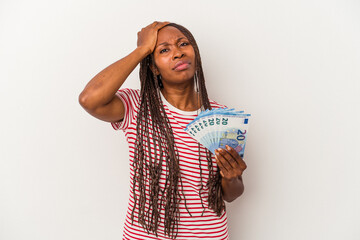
[(129, 91), (215, 104), (129, 94)]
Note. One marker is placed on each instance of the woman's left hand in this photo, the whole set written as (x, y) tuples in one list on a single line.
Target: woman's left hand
[(230, 163)]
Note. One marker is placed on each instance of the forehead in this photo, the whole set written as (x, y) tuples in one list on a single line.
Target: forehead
[(169, 34)]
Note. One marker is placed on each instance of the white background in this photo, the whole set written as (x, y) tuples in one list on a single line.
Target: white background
[(294, 65)]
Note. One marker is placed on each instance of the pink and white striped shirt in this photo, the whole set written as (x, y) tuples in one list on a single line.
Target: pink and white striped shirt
[(204, 223)]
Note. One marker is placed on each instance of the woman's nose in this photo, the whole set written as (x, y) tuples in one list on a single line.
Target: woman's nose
[(178, 53)]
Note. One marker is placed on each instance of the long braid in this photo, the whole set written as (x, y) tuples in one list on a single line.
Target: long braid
[(148, 166), (215, 197)]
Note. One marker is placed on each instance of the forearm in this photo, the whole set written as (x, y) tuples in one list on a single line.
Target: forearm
[(102, 88), (232, 189)]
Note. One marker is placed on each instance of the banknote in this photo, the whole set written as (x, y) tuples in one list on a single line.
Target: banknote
[(219, 127)]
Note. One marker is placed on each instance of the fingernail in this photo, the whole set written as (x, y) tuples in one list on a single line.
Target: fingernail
[(227, 147)]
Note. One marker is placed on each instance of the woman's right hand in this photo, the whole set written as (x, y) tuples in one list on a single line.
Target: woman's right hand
[(147, 37), (98, 97)]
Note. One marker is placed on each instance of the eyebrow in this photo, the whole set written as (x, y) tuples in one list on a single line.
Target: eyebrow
[(166, 43)]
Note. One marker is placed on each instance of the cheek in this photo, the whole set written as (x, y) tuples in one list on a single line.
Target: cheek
[(162, 64), (193, 57)]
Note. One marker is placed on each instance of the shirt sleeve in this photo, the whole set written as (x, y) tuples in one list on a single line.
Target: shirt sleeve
[(130, 98)]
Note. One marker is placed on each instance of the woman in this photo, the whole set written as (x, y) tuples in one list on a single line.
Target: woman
[(178, 187)]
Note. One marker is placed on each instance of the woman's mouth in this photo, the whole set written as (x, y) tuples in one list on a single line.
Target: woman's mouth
[(181, 65)]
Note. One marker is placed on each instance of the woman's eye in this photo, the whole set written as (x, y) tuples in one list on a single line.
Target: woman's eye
[(184, 44), (163, 50)]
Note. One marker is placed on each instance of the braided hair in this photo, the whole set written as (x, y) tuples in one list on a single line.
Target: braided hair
[(147, 167)]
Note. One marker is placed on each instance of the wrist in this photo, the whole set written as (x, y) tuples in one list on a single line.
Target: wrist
[(232, 179), (144, 51)]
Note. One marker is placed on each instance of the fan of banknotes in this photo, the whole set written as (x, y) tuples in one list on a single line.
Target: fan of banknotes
[(219, 127)]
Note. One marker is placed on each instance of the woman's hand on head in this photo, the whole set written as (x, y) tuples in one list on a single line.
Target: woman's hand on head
[(147, 37)]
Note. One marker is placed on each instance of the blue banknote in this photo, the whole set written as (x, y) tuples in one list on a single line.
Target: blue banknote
[(220, 127)]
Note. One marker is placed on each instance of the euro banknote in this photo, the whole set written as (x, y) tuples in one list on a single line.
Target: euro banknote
[(219, 127)]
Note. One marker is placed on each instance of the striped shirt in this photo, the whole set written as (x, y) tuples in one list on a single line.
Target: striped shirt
[(203, 222)]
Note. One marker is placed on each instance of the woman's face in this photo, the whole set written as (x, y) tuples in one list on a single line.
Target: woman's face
[(174, 56)]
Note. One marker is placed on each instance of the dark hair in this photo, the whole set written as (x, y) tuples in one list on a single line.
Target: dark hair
[(147, 166)]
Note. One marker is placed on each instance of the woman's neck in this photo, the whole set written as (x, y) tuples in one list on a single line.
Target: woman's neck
[(186, 99)]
